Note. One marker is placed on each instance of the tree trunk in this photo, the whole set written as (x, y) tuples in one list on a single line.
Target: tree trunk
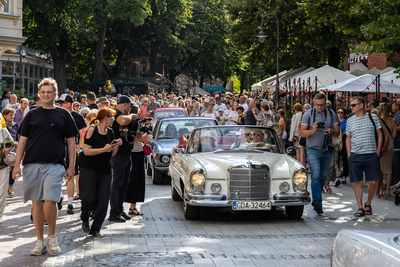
[(98, 64), (201, 82), (60, 75), (334, 57), (153, 64), (242, 82), (120, 56)]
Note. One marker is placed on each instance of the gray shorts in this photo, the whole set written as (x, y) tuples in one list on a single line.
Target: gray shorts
[(42, 181)]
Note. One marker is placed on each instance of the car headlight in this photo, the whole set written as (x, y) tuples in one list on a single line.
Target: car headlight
[(300, 177), (284, 187), (165, 159), (216, 188), (197, 181)]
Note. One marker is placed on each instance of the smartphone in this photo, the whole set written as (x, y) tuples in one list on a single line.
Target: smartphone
[(114, 141)]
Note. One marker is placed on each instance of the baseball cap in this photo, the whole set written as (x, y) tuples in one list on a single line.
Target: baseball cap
[(220, 109), (103, 99), (217, 98), (328, 102), (64, 98), (227, 102), (124, 99)]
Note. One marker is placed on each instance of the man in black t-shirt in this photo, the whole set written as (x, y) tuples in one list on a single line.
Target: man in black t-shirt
[(42, 138), (251, 114), (121, 162), (65, 101), (91, 100)]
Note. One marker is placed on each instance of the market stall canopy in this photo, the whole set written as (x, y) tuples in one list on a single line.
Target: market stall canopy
[(271, 80), (198, 91), (119, 80), (326, 76), (364, 84), (391, 76), (215, 88), (256, 86), (295, 75)]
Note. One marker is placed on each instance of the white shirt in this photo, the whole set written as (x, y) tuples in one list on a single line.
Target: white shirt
[(229, 113), (14, 106), (173, 106), (209, 115), (216, 107), (245, 107)]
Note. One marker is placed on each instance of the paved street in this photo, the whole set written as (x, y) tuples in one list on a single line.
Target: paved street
[(162, 236)]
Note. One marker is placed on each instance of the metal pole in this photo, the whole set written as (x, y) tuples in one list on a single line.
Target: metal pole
[(277, 59), (20, 67)]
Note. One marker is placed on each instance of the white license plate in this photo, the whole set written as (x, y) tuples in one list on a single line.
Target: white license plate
[(251, 205)]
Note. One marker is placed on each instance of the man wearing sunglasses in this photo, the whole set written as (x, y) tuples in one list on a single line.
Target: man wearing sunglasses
[(317, 125), (363, 143)]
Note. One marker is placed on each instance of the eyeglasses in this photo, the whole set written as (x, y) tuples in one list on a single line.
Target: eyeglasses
[(320, 105), (248, 134), (83, 99), (257, 134), (76, 105), (354, 105)]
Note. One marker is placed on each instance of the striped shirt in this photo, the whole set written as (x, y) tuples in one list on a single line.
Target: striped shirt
[(362, 133)]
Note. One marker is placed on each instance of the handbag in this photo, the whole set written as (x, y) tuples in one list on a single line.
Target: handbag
[(303, 141), (386, 141), (147, 149), (9, 159)]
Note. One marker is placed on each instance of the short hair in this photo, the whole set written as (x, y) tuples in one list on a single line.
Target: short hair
[(384, 99), (297, 107), (49, 81), (7, 111), (360, 100), (25, 99), (307, 106), (373, 103), (264, 105), (91, 96), (85, 110), (240, 107), (319, 96)]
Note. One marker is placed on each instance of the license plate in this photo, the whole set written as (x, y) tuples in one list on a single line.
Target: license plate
[(251, 205)]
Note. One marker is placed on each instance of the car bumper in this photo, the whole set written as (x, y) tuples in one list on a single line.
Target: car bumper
[(208, 200), (163, 169)]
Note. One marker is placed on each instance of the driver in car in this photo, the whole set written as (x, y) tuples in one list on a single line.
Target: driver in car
[(258, 141), (208, 142)]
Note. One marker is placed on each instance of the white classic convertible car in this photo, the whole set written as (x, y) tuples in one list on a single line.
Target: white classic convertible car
[(242, 167)]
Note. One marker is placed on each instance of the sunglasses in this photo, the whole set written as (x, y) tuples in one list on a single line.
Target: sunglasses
[(354, 105), (248, 134), (257, 134), (340, 112)]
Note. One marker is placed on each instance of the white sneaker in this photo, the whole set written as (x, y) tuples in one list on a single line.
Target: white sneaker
[(39, 249), (52, 243)]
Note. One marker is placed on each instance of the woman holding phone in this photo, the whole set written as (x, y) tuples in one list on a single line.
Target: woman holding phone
[(95, 178)]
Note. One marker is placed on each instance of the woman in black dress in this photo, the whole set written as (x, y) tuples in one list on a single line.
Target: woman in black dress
[(95, 178)]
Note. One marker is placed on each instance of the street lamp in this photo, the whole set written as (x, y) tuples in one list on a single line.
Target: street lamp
[(261, 36), (22, 54)]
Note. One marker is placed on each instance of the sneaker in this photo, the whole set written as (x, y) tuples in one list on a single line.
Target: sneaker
[(318, 208), (39, 249), (70, 209), (337, 183), (116, 218), (85, 226), (59, 203), (52, 243), (96, 234), (125, 216), (11, 193)]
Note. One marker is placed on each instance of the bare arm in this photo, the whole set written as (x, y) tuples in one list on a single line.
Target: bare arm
[(126, 119), (394, 133), (18, 157), (306, 133), (348, 145), (336, 130), (70, 173), (380, 141)]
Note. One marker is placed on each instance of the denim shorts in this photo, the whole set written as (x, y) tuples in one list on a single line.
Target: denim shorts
[(42, 181), (360, 163)]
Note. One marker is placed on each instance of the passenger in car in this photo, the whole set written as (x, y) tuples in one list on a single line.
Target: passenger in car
[(208, 142), (246, 140), (258, 141), (171, 131)]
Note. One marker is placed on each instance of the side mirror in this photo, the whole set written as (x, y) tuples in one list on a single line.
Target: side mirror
[(290, 150), (179, 149)]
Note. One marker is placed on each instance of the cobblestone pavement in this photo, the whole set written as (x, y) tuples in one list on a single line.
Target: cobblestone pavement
[(162, 236)]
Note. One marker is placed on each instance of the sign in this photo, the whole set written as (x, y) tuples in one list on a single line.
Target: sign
[(357, 59), (19, 74)]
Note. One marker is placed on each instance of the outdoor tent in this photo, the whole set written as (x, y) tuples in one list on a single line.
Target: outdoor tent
[(364, 84), (295, 75), (197, 91), (215, 88), (325, 76), (391, 76)]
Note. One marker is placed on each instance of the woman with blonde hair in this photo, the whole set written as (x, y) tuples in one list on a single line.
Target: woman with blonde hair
[(181, 104), (389, 128), (95, 177)]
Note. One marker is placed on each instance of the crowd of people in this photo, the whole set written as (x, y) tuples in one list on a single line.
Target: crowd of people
[(83, 139)]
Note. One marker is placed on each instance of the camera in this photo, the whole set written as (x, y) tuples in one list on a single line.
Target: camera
[(320, 124), (147, 128)]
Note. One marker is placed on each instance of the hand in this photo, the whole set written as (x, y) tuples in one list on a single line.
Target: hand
[(328, 131), (135, 117), (315, 126), (119, 142), (6, 150), (17, 170), (108, 148), (69, 174), (340, 147), (244, 116)]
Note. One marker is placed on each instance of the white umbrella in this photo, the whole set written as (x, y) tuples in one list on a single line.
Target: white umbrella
[(391, 76), (365, 84), (256, 86), (326, 76), (198, 91)]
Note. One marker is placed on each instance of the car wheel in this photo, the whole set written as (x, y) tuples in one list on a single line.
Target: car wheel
[(294, 212), (191, 212), (156, 176), (174, 193)]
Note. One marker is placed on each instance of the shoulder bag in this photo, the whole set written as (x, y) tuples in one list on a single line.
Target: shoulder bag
[(147, 149), (9, 159), (386, 143)]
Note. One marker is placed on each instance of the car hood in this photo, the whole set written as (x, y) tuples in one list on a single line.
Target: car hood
[(216, 164), (165, 146)]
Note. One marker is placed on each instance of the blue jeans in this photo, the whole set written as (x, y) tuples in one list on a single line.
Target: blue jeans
[(319, 162)]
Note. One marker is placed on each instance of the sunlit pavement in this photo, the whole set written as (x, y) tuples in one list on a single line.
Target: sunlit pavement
[(162, 236)]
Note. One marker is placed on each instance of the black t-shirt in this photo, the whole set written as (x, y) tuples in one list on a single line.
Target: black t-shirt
[(44, 145), (125, 148), (250, 119), (99, 163), (93, 106), (80, 123)]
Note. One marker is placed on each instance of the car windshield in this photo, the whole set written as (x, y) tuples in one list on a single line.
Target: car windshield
[(169, 114), (233, 138), (174, 129)]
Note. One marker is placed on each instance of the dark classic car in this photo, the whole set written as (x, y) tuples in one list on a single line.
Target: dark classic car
[(166, 134)]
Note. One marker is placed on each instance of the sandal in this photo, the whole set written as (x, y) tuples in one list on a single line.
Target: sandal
[(328, 189), (394, 187), (368, 212), (77, 197), (360, 213), (134, 212), (10, 192)]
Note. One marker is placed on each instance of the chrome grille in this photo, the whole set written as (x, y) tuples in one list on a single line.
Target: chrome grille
[(249, 182)]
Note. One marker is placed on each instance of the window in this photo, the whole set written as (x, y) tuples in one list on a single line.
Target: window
[(8, 68), (5, 8)]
